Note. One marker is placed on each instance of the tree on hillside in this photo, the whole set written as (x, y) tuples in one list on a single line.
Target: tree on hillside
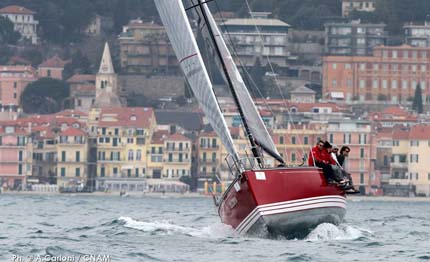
[(417, 104), (79, 64), (7, 34), (45, 96)]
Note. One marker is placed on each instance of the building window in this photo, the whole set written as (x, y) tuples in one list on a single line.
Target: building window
[(78, 156), (102, 171), (293, 157), (334, 83), (394, 84), (281, 140), (362, 83), (361, 178), (394, 54), (115, 171), (375, 83), (331, 138), (63, 156), (334, 65), (49, 73), (361, 152), (293, 140), (78, 172), (139, 154), (414, 158), (130, 155), (305, 140), (384, 83), (170, 157), (63, 171), (136, 172)]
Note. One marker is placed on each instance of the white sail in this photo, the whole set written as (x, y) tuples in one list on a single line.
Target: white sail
[(252, 117), (178, 29)]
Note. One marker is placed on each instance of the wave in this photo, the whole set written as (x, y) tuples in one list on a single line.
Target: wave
[(325, 232), (218, 230)]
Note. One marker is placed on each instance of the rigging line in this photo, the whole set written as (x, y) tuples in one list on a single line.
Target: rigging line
[(276, 78), (248, 75), (250, 136), (248, 78), (207, 50)]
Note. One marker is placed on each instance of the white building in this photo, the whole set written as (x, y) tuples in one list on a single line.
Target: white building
[(258, 37), (360, 5), (23, 21)]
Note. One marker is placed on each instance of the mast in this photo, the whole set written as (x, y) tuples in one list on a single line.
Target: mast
[(251, 139)]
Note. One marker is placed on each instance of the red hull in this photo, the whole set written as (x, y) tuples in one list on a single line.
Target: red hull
[(282, 201)]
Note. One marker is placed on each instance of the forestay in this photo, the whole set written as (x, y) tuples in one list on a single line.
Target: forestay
[(178, 29), (252, 117)]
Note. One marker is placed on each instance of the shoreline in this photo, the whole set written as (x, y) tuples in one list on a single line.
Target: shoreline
[(199, 195)]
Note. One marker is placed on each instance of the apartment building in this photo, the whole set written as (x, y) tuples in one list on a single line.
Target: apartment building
[(417, 34), (121, 136), (13, 80), (209, 160), (15, 155), (359, 5), (390, 75), (72, 158), (357, 135), (295, 142), (353, 38), (144, 48), (23, 21), (177, 156), (258, 37)]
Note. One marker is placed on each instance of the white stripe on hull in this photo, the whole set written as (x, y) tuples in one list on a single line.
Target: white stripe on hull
[(289, 207)]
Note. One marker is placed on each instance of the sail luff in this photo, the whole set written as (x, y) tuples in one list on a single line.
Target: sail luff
[(174, 18), (250, 112)]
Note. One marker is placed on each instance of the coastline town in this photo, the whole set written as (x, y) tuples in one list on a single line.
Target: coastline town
[(140, 130)]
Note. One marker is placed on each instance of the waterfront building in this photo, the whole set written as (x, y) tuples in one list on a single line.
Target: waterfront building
[(357, 135), (359, 5), (15, 155), (23, 21), (353, 38), (177, 156), (144, 48), (418, 157), (391, 75), (121, 137), (209, 160), (258, 37), (72, 155)]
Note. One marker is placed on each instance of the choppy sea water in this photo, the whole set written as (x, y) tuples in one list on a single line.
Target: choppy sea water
[(148, 228)]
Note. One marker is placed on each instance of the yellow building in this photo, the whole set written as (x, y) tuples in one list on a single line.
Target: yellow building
[(177, 156), (72, 154), (122, 137), (418, 157), (44, 156), (209, 161)]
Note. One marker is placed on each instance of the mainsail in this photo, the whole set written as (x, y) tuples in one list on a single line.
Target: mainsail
[(251, 115), (178, 29)]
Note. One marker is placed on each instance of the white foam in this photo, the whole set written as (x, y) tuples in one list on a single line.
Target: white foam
[(218, 230), (326, 231)]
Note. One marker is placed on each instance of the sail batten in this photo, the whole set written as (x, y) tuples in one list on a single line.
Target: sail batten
[(174, 18), (250, 113)]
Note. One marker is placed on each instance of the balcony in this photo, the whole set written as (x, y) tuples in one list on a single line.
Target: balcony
[(208, 161)]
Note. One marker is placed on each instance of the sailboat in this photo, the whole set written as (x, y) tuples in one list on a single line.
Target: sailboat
[(288, 201)]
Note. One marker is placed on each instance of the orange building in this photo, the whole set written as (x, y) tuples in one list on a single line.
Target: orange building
[(13, 80), (53, 68), (391, 75)]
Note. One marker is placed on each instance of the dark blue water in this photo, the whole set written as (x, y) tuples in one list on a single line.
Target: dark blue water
[(188, 229)]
